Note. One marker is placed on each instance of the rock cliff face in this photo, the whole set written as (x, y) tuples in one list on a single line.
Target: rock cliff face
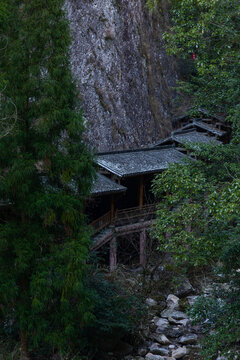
[(122, 71)]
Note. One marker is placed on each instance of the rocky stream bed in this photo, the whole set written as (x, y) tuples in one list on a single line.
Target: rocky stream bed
[(170, 334)]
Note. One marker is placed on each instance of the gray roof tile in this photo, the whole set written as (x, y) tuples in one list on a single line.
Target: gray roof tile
[(131, 163), (103, 186)]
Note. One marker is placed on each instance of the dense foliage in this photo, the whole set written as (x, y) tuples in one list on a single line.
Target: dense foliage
[(50, 299), (46, 173), (199, 210), (210, 30)]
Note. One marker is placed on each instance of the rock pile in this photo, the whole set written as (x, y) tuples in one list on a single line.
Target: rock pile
[(170, 334)]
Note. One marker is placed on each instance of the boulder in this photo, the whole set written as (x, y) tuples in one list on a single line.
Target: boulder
[(177, 315), (184, 288), (162, 325), (174, 332), (162, 339), (162, 322), (189, 339), (179, 353), (172, 302), (158, 350), (183, 322), (151, 302), (151, 356)]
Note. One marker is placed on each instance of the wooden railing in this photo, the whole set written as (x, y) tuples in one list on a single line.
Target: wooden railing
[(132, 215), (124, 217), (101, 222)]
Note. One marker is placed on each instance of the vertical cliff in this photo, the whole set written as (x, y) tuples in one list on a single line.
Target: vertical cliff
[(122, 70)]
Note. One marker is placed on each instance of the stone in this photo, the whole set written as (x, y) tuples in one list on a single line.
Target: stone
[(184, 288), (172, 346), (172, 302), (174, 332), (158, 350), (164, 352), (190, 339), (162, 339), (151, 356), (162, 325), (162, 322), (151, 302), (177, 315), (179, 353), (155, 319), (183, 322)]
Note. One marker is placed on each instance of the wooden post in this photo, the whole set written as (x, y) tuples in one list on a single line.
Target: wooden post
[(113, 253), (112, 208), (143, 247), (141, 192)]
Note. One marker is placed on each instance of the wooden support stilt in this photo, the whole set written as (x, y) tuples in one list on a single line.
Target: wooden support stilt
[(112, 208), (113, 253), (143, 257), (141, 192)]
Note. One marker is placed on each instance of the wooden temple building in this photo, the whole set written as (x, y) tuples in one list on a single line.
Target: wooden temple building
[(121, 201)]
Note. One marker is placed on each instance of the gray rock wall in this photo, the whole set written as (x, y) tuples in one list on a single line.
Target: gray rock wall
[(122, 71)]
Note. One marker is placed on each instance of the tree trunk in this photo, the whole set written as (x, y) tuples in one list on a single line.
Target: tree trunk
[(24, 347)]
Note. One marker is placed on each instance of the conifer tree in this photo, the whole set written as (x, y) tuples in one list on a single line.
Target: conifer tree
[(46, 172)]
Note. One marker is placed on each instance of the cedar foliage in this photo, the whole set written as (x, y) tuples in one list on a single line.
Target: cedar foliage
[(46, 173)]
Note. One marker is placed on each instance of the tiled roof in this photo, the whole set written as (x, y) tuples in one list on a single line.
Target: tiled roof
[(103, 186), (136, 162)]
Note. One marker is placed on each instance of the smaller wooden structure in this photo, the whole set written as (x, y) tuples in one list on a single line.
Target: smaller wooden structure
[(187, 136), (215, 125)]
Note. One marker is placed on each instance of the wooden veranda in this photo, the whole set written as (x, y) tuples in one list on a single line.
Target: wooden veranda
[(106, 229)]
